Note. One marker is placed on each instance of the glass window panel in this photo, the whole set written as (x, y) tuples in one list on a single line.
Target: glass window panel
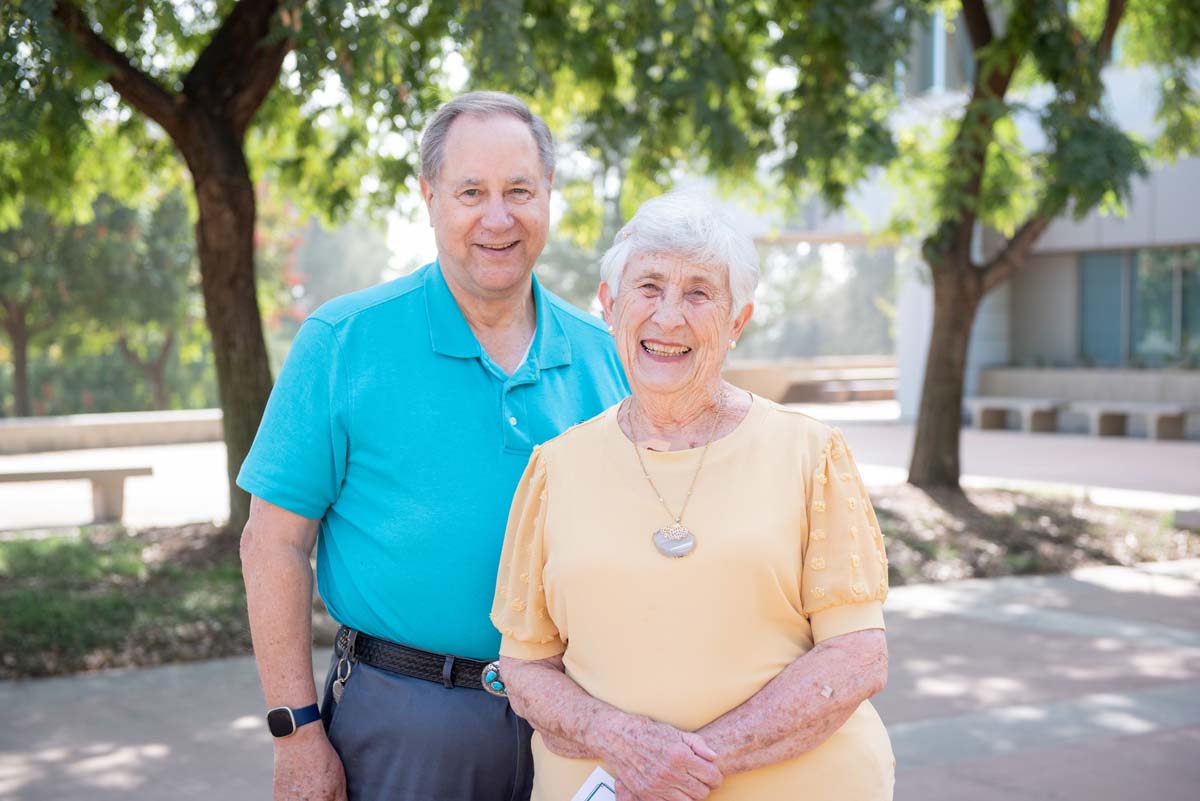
[(1153, 330), (1100, 308), (918, 77), (1190, 264)]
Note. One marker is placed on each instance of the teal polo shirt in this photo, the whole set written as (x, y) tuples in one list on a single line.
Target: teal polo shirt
[(392, 426)]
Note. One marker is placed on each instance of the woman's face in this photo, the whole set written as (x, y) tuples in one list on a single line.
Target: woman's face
[(671, 320)]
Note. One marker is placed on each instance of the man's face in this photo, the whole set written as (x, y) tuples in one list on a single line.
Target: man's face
[(489, 206)]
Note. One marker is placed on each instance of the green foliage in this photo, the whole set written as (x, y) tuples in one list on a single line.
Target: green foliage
[(1178, 116), (844, 58), (98, 597), (104, 305), (1086, 160), (350, 103)]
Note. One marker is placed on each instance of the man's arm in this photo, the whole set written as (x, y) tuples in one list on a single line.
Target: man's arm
[(276, 547), (803, 706), (651, 759)]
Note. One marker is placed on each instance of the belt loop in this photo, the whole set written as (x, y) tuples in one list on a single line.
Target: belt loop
[(447, 671), (350, 643)]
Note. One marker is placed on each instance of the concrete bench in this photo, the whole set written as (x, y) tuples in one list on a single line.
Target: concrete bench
[(1037, 414), (1110, 418), (840, 384), (108, 486)]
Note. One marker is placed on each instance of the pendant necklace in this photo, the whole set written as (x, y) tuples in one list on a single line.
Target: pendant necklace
[(675, 540)]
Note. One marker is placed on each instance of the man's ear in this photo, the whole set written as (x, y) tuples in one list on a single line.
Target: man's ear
[(427, 195)]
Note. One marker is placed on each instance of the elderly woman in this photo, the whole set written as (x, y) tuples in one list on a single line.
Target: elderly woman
[(691, 586)]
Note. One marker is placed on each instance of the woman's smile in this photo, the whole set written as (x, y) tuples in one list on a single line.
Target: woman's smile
[(664, 352)]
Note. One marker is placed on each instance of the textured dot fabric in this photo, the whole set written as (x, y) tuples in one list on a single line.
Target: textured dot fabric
[(788, 554)]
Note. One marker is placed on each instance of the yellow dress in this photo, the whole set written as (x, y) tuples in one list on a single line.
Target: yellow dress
[(788, 553)]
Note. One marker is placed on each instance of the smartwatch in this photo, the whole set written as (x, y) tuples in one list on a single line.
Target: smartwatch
[(283, 720)]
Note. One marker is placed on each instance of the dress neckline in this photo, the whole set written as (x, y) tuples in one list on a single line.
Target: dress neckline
[(719, 444)]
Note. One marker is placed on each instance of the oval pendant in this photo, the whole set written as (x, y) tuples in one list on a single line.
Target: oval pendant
[(674, 541)]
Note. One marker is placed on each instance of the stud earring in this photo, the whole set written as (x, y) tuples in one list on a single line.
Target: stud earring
[(610, 329), (732, 344)]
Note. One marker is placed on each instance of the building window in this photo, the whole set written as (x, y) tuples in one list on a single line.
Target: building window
[(1190, 303), (1153, 331), (1101, 278), (941, 58), (1140, 308)]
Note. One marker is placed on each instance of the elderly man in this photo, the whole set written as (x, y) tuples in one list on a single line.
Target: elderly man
[(394, 439)]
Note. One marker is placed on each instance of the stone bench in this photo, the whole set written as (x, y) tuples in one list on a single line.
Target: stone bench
[(108, 486), (1037, 414), (1110, 418), (835, 385)]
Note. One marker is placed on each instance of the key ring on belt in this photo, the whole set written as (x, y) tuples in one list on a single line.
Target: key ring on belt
[(345, 661)]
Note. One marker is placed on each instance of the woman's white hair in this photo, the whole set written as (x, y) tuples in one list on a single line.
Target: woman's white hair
[(689, 226)]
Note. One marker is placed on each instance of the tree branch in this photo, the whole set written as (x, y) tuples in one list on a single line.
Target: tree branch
[(131, 355), (1004, 264), (1112, 20), (239, 66), (160, 362), (134, 86), (975, 130), (979, 25)]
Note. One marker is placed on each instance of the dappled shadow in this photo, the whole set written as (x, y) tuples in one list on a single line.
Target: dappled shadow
[(960, 647), (941, 535)]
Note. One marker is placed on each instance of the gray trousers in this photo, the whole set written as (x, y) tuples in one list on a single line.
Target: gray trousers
[(406, 739)]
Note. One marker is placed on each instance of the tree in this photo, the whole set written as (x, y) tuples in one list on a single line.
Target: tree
[(983, 174), (147, 297), (203, 83), (43, 280), (120, 281), (682, 81)]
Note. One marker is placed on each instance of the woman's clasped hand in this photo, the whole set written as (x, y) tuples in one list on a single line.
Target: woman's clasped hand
[(654, 761)]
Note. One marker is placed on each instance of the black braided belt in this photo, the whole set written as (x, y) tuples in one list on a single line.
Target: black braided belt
[(452, 671)]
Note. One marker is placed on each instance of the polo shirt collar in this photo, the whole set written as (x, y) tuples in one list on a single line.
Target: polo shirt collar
[(450, 335)]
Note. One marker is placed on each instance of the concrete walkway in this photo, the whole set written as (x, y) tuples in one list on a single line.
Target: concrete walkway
[(1078, 686)]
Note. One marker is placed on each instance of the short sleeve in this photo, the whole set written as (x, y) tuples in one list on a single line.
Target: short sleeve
[(298, 458), (844, 581), (519, 610)]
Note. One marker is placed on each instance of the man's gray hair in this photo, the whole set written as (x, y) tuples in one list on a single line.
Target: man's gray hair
[(481, 105), (689, 226)]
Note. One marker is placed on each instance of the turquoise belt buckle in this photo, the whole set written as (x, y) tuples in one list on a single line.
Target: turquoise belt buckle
[(491, 681)]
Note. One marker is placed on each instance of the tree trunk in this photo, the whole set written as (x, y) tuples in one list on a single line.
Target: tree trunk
[(935, 456), (18, 337), (158, 384), (225, 243)]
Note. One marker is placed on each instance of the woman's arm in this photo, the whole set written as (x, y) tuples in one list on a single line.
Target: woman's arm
[(653, 760), (803, 706)]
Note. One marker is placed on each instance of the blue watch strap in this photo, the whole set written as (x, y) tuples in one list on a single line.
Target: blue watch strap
[(306, 714)]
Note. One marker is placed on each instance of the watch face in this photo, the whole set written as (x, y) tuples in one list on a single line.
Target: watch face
[(280, 722)]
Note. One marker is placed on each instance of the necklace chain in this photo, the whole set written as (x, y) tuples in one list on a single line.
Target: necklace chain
[(638, 452)]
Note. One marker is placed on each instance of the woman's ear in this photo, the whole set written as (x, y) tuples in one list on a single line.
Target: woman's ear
[(739, 322), (606, 302)]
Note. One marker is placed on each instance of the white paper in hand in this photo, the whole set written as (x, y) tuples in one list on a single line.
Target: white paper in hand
[(600, 786)]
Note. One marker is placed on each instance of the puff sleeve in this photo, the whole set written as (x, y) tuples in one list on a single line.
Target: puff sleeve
[(844, 576), (519, 608)]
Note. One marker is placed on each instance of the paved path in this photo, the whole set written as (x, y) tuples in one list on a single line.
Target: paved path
[(1020, 689), (188, 484)]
